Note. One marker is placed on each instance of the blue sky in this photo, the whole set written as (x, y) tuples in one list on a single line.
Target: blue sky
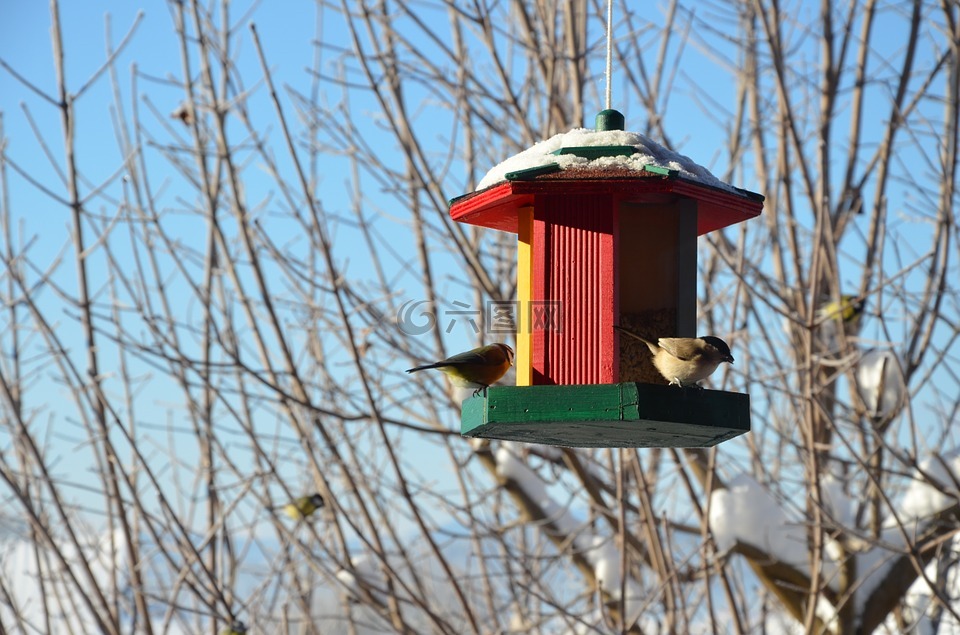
[(25, 46), (288, 36)]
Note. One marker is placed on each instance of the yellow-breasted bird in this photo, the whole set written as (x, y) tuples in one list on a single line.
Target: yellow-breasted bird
[(477, 368), (235, 628), (848, 309), (684, 361), (303, 506)]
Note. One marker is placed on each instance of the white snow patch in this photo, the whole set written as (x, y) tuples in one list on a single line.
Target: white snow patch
[(649, 152), (921, 605), (932, 490), (836, 502), (880, 382), (365, 568), (745, 512), (606, 562), (934, 487), (26, 581)]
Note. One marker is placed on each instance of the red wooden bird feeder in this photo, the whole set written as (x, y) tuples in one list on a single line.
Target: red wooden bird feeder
[(607, 224)]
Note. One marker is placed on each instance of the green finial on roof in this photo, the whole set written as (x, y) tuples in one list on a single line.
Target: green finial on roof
[(610, 120)]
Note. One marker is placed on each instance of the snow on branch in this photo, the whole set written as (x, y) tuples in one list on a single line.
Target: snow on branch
[(598, 551)]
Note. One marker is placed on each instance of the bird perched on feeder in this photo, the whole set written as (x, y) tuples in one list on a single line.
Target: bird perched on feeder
[(848, 309), (684, 361), (477, 368), (303, 506)]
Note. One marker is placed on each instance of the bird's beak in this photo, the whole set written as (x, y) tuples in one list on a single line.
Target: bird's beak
[(729, 359)]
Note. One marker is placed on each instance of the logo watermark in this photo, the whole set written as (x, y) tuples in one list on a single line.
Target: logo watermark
[(417, 317)]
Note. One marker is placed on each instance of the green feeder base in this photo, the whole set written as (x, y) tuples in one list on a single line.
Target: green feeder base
[(627, 415)]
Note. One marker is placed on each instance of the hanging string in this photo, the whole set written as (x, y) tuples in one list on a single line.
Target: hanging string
[(609, 53)]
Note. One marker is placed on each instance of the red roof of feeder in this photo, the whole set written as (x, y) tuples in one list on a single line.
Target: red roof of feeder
[(496, 206)]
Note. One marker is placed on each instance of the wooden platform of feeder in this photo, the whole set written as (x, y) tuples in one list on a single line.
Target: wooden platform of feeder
[(630, 415)]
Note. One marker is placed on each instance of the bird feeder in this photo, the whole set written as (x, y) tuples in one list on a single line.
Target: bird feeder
[(607, 235)]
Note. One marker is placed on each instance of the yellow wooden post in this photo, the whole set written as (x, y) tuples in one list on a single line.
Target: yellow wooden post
[(524, 361)]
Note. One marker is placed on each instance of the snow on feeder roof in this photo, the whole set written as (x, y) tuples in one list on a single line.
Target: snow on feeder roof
[(644, 154)]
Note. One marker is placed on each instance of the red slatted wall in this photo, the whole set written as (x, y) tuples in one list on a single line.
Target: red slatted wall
[(576, 268)]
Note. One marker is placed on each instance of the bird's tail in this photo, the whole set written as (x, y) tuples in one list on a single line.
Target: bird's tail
[(425, 367), (653, 347)]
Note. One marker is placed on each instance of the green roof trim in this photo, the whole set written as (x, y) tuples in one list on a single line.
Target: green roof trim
[(627, 415), (595, 152), (656, 169), (532, 173)]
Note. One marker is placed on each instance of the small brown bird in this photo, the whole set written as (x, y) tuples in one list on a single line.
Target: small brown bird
[(477, 368), (183, 112), (684, 361)]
